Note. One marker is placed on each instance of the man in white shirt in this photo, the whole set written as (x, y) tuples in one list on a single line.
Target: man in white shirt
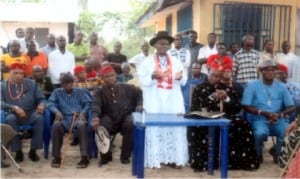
[(207, 51), (181, 54), (287, 58), (60, 61), (140, 58), (51, 46)]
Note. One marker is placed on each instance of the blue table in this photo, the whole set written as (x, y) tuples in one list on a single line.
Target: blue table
[(177, 120)]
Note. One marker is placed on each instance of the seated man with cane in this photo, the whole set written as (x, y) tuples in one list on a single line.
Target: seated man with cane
[(112, 107), (70, 106)]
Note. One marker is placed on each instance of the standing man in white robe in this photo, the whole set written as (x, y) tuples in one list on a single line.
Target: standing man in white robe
[(161, 76)]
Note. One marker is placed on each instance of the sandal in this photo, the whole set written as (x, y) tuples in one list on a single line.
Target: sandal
[(56, 163)]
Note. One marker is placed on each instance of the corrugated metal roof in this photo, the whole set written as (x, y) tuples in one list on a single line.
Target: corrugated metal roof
[(161, 8)]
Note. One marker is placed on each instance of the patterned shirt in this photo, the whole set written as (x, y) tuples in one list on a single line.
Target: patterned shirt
[(90, 84), (294, 91), (184, 57), (244, 65), (295, 77), (68, 104)]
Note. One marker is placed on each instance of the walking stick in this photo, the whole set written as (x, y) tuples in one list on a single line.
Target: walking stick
[(16, 164), (70, 136)]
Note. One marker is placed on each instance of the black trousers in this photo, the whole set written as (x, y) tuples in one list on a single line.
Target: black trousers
[(123, 126)]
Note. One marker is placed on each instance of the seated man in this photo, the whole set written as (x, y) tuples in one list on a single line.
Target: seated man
[(25, 103), (270, 103), (42, 80), (125, 75), (293, 88), (81, 80), (70, 105), (214, 96), (112, 107)]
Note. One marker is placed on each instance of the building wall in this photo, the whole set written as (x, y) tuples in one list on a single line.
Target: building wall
[(7, 29), (203, 17)]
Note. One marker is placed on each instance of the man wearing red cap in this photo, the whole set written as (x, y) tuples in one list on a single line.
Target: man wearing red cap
[(82, 81), (25, 104), (112, 107), (293, 88)]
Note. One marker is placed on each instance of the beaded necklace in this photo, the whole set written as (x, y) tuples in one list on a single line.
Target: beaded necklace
[(19, 94)]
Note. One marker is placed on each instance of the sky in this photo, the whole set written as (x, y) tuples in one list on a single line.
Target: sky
[(109, 5)]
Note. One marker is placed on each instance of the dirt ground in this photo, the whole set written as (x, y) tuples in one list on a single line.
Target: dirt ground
[(115, 169)]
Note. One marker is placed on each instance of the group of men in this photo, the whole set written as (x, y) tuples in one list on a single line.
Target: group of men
[(110, 104)]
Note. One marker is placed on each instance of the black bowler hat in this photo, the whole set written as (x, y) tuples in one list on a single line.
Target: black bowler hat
[(161, 35)]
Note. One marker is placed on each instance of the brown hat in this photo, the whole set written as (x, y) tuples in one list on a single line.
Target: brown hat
[(161, 35)]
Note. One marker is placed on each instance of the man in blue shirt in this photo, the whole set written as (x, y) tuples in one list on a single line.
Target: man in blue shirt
[(270, 104), (69, 103), (197, 79)]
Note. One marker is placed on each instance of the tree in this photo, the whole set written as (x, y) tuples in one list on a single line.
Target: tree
[(116, 26)]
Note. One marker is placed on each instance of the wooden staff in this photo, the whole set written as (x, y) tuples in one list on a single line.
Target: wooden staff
[(70, 136)]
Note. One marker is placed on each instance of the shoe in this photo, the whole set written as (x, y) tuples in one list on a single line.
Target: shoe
[(105, 159), (19, 156), (124, 160), (33, 156), (75, 141), (173, 165), (4, 165), (273, 153), (56, 163), (260, 158), (84, 162)]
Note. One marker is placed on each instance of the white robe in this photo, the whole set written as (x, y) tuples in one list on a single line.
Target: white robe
[(163, 144)]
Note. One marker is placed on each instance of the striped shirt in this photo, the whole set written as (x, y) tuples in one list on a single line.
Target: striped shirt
[(245, 65), (68, 104)]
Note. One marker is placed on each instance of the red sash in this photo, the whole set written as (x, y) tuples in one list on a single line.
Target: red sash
[(166, 82)]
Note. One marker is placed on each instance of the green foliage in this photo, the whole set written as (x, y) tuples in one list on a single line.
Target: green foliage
[(121, 26)]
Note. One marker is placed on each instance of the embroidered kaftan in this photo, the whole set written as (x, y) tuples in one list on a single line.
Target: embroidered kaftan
[(163, 145)]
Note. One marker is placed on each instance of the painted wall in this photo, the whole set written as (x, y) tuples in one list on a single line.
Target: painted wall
[(203, 17), (7, 29)]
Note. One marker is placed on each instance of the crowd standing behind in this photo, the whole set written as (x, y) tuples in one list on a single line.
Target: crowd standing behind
[(73, 80)]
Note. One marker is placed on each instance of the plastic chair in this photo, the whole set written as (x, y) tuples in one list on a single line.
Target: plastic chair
[(47, 125)]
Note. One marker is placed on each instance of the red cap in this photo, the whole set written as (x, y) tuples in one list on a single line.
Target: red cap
[(283, 68), (106, 69), (19, 66), (78, 69), (221, 68)]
